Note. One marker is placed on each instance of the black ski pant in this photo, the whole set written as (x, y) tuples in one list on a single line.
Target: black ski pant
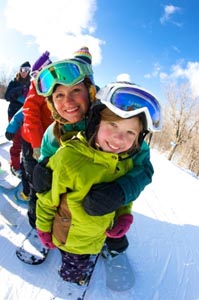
[(29, 163)]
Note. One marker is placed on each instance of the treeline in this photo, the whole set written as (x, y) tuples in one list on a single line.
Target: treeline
[(4, 80), (179, 138)]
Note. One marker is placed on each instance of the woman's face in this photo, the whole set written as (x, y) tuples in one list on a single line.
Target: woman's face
[(24, 71), (118, 136), (71, 103)]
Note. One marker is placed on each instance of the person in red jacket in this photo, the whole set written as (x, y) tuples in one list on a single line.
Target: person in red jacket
[(37, 117)]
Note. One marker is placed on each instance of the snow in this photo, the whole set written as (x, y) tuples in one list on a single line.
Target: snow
[(163, 248)]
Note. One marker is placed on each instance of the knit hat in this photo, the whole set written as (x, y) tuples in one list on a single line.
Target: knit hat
[(25, 64), (84, 54), (41, 62)]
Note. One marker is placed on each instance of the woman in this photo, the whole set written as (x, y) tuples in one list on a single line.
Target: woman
[(16, 93)]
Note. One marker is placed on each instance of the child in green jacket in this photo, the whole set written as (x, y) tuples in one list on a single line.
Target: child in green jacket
[(102, 153), (72, 117)]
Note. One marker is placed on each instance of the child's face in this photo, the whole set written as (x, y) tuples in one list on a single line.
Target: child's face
[(71, 103), (118, 136)]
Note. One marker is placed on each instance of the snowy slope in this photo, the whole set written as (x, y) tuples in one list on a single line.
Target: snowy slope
[(163, 240)]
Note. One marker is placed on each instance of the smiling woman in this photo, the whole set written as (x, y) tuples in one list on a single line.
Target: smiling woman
[(71, 103)]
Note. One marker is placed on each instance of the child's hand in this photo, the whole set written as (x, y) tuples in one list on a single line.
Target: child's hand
[(36, 153), (46, 239), (121, 226)]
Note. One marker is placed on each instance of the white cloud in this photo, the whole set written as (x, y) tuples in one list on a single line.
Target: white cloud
[(123, 77), (169, 11), (176, 49), (61, 26), (155, 73), (189, 72), (163, 76)]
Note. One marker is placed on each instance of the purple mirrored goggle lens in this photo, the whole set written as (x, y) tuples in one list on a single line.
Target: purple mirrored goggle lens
[(129, 99)]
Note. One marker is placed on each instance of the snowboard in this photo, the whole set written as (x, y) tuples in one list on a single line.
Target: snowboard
[(31, 251), (73, 291), (70, 291), (119, 272)]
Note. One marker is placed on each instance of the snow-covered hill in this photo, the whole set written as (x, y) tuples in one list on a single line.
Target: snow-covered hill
[(163, 240)]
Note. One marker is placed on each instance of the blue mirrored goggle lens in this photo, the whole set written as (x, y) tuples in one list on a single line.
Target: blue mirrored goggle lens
[(62, 73), (129, 99)]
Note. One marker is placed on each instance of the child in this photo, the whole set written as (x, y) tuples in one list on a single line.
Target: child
[(70, 112), (31, 119), (37, 118), (102, 153)]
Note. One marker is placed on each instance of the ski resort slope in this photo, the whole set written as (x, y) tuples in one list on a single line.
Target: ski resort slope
[(163, 241)]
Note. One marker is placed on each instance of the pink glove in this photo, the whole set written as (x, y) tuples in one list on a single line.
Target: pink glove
[(121, 226), (46, 239)]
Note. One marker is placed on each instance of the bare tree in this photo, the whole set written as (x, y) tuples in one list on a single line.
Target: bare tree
[(5, 77), (4, 80), (182, 112)]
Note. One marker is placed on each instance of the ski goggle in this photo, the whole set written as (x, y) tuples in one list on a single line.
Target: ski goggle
[(66, 72), (25, 69), (127, 101)]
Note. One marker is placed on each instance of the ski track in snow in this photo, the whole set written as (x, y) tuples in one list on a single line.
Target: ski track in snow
[(163, 244)]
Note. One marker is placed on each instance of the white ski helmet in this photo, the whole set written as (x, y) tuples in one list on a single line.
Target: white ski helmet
[(127, 100)]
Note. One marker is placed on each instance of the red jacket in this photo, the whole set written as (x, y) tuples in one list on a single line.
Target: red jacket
[(37, 117)]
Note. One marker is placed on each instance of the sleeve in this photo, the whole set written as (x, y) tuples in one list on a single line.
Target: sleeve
[(134, 182), (33, 126), (48, 202), (16, 122), (13, 91), (125, 209), (49, 145), (45, 211)]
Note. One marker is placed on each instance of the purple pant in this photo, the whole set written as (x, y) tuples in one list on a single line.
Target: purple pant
[(76, 268)]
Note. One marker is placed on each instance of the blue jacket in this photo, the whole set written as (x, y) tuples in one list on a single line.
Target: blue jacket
[(16, 93), (16, 122)]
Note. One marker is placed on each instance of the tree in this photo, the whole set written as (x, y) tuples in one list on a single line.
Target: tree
[(182, 113), (3, 83)]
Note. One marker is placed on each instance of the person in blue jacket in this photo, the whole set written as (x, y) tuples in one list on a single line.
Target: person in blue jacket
[(13, 127), (15, 94)]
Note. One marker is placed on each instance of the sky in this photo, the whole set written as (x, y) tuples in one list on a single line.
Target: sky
[(163, 242), (146, 42)]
